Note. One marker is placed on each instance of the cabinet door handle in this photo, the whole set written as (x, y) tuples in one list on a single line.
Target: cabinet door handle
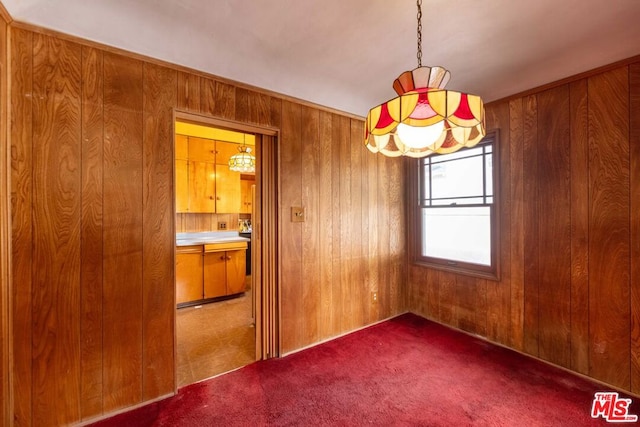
[(222, 258), (228, 258), (210, 197)]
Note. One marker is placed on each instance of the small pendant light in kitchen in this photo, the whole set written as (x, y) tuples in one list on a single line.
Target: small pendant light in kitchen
[(244, 161), (424, 118)]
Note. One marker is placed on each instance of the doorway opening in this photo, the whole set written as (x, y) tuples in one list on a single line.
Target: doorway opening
[(225, 223)]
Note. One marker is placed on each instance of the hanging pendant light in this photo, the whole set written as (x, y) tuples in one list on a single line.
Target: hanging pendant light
[(244, 161), (424, 118)]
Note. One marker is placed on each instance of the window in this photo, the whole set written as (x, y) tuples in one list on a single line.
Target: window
[(456, 216)]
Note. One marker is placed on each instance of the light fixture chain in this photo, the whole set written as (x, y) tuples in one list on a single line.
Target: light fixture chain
[(419, 54)]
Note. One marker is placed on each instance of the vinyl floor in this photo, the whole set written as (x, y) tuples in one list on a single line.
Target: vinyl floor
[(214, 338)]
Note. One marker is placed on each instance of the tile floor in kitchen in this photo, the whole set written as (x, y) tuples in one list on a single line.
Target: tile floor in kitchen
[(214, 338)]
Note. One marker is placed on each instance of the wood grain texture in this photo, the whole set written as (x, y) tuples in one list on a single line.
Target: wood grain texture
[(325, 225), (609, 251), (370, 226), (530, 225), (5, 225), (498, 293), (337, 135), (91, 386), (21, 222), (382, 228), (188, 92), (207, 96), (579, 227), (517, 248), (573, 233), (123, 312), (56, 230), (225, 101), (310, 173), (122, 231), (397, 238), (359, 293), (554, 226), (158, 288), (634, 152), (291, 232)]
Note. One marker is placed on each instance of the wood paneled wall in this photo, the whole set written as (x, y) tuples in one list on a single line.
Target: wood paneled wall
[(93, 223), (5, 231), (352, 241), (569, 232)]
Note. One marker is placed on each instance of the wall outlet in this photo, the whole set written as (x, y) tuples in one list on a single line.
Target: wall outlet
[(222, 226), (374, 297)]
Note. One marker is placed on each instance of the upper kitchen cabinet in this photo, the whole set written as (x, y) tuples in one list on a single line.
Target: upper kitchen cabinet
[(204, 183), (228, 181)]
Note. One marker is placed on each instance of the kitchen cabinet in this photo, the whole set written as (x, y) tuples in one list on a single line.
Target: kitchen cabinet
[(246, 195), (228, 190), (228, 181), (204, 183), (205, 272), (189, 278), (202, 187), (224, 269)]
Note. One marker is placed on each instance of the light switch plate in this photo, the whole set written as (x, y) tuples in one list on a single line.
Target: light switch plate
[(297, 214)]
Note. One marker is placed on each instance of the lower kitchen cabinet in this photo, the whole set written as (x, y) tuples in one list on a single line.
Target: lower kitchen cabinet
[(205, 272), (224, 270), (189, 264)]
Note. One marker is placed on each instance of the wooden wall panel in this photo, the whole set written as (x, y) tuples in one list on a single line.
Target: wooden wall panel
[(554, 226), (357, 284), (5, 231), (21, 222), (188, 92), (325, 225), (91, 386), (207, 96), (158, 294), (343, 224), (370, 226), (634, 148), (609, 262), (530, 226), (122, 231), (498, 294), (384, 235), (397, 238), (291, 232), (337, 302), (514, 175), (579, 228), (224, 105), (118, 224), (573, 242), (310, 284), (56, 230)]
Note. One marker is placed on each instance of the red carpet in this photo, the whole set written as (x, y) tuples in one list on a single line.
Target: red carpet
[(406, 371)]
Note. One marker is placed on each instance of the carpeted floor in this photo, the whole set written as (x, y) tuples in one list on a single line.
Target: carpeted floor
[(407, 371)]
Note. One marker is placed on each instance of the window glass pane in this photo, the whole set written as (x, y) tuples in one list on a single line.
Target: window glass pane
[(457, 233), (425, 182), (457, 179), (465, 201), (469, 152), (489, 173)]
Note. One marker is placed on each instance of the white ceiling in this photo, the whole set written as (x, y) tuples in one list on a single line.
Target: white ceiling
[(345, 54)]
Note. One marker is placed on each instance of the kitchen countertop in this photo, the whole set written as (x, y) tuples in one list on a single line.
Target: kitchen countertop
[(205, 237)]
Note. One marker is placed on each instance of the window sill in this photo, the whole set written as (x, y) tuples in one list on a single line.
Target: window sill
[(457, 269)]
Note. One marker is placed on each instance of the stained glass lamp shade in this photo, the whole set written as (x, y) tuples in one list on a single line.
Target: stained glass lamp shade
[(424, 118), (244, 161)]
